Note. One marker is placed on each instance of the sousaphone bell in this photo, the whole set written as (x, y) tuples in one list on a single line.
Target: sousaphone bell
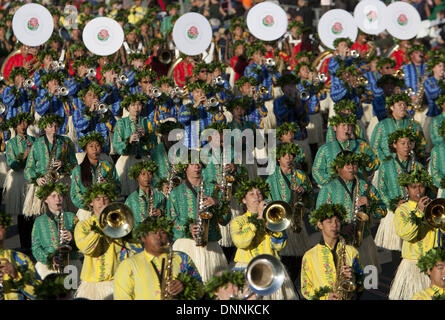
[(116, 220), (265, 275)]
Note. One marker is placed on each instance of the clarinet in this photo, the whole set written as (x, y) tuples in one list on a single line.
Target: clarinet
[(138, 143), (151, 204)]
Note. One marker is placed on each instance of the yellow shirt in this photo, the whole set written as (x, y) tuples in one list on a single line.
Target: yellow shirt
[(136, 278), (428, 293), (101, 255), (251, 243), (417, 238), (319, 269), (18, 259), (136, 14)]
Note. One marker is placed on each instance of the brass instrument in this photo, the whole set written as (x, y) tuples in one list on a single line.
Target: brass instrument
[(116, 220), (63, 248), (28, 83), (277, 215), (62, 91), (359, 219), (270, 63), (226, 182), (101, 108), (212, 102), (304, 95), (419, 106), (322, 77), (265, 275), (167, 277), (344, 288), (178, 91), (156, 92), (174, 179), (372, 49), (151, 203), (2, 108), (165, 56), (434, 213), (58, 65), (203, 217), (297, 204), (354, 54), (51, 174), (362, 81), (123, 79), (400, 74), (91, 72), (262, 91), (219, 81)]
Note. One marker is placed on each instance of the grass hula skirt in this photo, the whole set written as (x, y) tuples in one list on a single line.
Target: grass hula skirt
[(3, 168), (315, 129), (286, 292), (408, 281), (14, 192), (209, 259), (103, 290), (368, 253), (440, 193), (386, 236), (123, 165), (32, 206), (71, 131)]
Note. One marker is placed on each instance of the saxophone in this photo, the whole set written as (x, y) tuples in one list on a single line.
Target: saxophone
[(359, 219), (168, 275), (174, 179), (98, 173), (63, 248), (203, 217), (151, 203), (226, 182), (419, 106), (51, 175), (344, 288), (296, 204)]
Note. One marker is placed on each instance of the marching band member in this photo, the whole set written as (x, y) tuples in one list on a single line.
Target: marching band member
[(49, 154), (357, 196), (238, 61), (133, 138), (345, 108), (282, 183), (163, 104), (102, 254), (344, 141), (432, 263), (257, 110), (331, 261), (398, 118), (401, 54), (26, 59), (257, 69), (418, 237), (14, 266), (250, 236), (401, 144), (157, 273), (229, 285), (286, 134), (146, 201), (48, 229), (17, 98), (437, 164), (17, 151), (183, 206), (46, 59), (81, 78), (91, 170), (184, 70), (436, 123)]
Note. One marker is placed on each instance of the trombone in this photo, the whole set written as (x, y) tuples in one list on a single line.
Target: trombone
[(277, 215), (435, 213), (116, 220)]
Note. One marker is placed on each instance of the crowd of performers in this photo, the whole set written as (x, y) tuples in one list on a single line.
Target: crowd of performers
[(362, 134)]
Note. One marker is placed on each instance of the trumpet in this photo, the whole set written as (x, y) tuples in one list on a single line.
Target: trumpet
[(178, 91), (58, 65), (400, 74), (270, 63), (2, 108), (355, 54), (410, 92), (28, 83), (212, 102), (91, 72), (101, 108), (219, 81), (277, 215), (116, 220), (262, 91), (322, 77), (123, 79), (62, 91), (362, 81), (156, 92), (304, 95)]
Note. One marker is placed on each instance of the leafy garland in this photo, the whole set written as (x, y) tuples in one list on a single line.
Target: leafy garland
[(430, 258), (165, 80), (5, 219), (130, 99), (166, 127), (339, 40), (242, 80), (52, 287), (433, 61), (44, 191), (146, 73), (392, 99), (257, 46), (401, 133), (287, 148), (59, 76), (259, 224), (106, 189), (93, 136), (49, 118), (321, 292), (18, 70), (47, 52), (235, 277), (153, 223), (27, 277), (362, 160), (286, 127), (419, 175), (441, 100), (325, 211), (385, 60), (346, 104), (246, 186), (288, 78), (193, 289), (137, 168), (199, 85), (339, 119), (414, 219), (20, 117), (416, 47)]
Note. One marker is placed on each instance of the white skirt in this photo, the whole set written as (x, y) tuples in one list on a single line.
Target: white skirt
[(14, 192), (386, 236), (367, 113), (368, 253), (408, 281), (71, 130), (226, 238), (286, 292), (103, 290), (32, 206), (374, 121), (123, 165), (3, 168), (315, 129), (297, 243), (426, 132), (208, 260), (43, 270), (440, 193)]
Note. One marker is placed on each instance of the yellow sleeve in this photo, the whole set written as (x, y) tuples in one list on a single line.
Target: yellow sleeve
[(87, 240), (242, 232), (124, 282), (405, 229)]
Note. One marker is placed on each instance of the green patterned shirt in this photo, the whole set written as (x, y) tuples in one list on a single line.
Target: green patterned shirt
[(436, 123), (15, 148), (437, 164), (123, 131), (138, 202)]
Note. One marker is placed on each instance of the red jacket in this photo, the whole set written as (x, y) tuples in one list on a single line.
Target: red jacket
[(182, 71), (15, 61), (401, 58), (360, 47)]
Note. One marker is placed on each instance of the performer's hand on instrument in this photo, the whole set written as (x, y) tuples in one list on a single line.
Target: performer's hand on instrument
[(57, 164), (7, 267), (230, 167), (261, 205), (299, 190), (423, 202), (41, 181), (175, 287), (209, 201), (347, 271), (134, 137), (67, 236), (194, 229), (363, 201), (55, 263), (157, 212)]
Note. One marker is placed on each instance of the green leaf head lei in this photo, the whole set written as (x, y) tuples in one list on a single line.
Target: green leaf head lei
[(104, 189), (132, 98), (394, 98), (245, 186), (93, 136), (300, 65), (345, 104), (287, 127), (218, 126), (237, 278), (168, 126), (326, 211), (346, 157), (136, 56), (199, 85), (339, 119), (243, 102), (416, 176), (288, 79), (94, 87), (165, 80), (430, 258), (401, 133), (146, 73), (242, 80), (19, 118), (48, 119), (390, 79), (18, 70), (200, 66), (44, 191), (257, 46), (217, 65), (111, 66), (52, 288), (416, 47), (340, 40), (137, 168), (385, 60), (287, 148), (47, 52), (433, 61), (153, 223), (59, 76)]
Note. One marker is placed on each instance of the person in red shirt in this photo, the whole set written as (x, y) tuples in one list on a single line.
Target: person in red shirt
[(184, 70), (239, 60), (361, 44), (401, 55), (77, 50), (304, 45), (101, 61), (26, 58)]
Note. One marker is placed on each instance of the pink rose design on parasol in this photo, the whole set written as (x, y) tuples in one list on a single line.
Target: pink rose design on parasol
[(268, 21), (402, 19), (103, 35), (33, 24), (372, 16), (337, 28), (193, 32)]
